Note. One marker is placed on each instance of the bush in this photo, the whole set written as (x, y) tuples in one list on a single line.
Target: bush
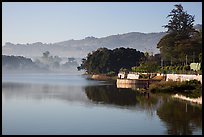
[(171, 68), (177, 68), (193, 82), (187, 67), (167, 68)]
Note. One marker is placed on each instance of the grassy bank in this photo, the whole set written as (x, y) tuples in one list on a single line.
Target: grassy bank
[(192, 88)]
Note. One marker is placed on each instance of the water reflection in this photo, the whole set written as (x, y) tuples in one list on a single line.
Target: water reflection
[(110, 94), (42, 92), (130, 86), (177, 117), (180, 118)]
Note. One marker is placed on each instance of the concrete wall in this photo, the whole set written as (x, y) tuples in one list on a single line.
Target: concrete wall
[(160, 74), (121, 75), (183, 77), (132, 76)]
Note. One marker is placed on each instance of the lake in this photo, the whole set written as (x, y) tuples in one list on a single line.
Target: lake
[(69, 104)]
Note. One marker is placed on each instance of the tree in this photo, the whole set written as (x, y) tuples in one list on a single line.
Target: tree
[(181, 22), (104, 60), (46, 54), (182, 42), (148, 64)]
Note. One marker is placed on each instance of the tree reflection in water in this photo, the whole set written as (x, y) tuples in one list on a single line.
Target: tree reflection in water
[(178, 117), (110, 94)]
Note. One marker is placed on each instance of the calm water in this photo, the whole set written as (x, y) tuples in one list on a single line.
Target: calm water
[(70, 104)]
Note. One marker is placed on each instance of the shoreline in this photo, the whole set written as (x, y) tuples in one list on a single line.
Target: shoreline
[(105, 77), (102, 77)]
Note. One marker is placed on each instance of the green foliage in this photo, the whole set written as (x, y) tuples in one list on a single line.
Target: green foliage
[(186, 67), (148, 64), (175, 69), (182, 42), (181, 22), (104, 60), (123, 70), (135, 69)]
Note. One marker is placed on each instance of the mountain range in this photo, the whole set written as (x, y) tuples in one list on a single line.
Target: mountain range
[(80, 48)]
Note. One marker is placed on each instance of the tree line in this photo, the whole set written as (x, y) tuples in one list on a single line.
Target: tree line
[(181, 46)]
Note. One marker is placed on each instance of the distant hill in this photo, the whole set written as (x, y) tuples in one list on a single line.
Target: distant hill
[(198, 26), (80, 48)]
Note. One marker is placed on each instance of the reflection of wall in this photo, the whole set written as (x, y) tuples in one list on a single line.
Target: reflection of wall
[(119, 85), (131, 83)]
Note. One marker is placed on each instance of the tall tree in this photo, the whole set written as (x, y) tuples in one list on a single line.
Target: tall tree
[(180, 21), (182, 43)]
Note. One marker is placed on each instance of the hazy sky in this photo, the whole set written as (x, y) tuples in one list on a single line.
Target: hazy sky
[(28, 22)]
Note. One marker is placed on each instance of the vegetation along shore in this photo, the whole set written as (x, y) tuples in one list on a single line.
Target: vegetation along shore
[(176, 70)]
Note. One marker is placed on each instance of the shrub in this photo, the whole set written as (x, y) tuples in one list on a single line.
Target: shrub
[(187, 67), (177, 68)]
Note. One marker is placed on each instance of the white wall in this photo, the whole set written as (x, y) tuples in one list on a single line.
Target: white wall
[(132, 76), (183, 77), (121, 75)]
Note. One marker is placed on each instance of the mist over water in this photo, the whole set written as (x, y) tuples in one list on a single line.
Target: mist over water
[(46, 63), (68, 103), (49, 96), (75, 79)]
